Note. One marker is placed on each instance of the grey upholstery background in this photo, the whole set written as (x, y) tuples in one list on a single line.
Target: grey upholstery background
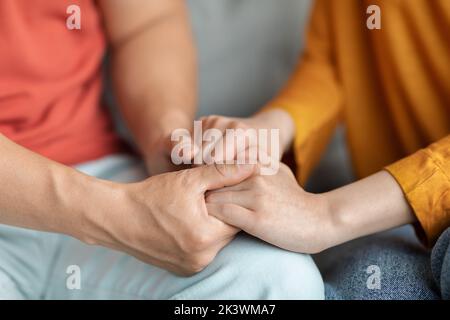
[(247, 50)]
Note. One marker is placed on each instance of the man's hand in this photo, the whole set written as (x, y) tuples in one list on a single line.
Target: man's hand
[(275, 209), (164, 221)]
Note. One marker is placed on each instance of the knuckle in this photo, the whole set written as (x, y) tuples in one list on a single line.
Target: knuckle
[(210, 117), (198, 262), (208, 121), (196, 242), (201, 241), (215, 120), (239, 125), (234, 124), (259, 182)]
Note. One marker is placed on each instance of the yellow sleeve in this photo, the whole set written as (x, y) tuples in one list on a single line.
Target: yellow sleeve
[(425, 180), (312, 96)]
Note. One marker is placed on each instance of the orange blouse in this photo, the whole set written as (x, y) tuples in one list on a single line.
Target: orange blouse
[(391, 87)]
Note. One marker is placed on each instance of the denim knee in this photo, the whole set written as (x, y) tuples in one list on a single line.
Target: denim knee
[(440, 264)]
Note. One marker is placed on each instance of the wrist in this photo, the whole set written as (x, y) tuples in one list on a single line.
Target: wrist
[(347, 223), (327, 230), (368, 206), (159, 131), (171, 120), (89, 205), (281, 120), (335, 219)]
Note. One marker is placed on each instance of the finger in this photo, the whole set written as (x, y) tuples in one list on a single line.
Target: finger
[(235, 145), (218, 176), (213, 133), (244, 185), (222, 230), (207, 122), (212, 252), (243, 199), (249, 155), (219, 148), (232, 214), (241, 186), (210, 150), (219, 246)]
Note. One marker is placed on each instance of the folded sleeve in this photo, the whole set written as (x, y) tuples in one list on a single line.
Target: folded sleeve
[(312, 96), (425, 180)]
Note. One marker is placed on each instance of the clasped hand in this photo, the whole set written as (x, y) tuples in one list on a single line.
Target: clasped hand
[(180, 220)]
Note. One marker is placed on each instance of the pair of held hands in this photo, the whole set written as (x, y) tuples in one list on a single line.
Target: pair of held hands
[(180, 220)]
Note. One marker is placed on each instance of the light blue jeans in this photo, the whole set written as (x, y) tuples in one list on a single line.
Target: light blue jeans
[(38, 265)]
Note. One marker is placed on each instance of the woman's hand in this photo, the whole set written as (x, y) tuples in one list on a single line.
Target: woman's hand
[(276, 209), (272, 119)]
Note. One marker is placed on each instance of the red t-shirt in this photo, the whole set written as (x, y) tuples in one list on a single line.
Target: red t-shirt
[(51, 82)]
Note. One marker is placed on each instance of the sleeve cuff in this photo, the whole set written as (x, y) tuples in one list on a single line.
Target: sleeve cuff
[(427, 189)]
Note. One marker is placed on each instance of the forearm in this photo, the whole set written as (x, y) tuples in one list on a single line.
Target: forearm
[(40, 194), (154, 71), (368, 206)]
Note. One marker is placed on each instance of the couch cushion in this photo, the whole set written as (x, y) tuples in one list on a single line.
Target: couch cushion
[(247, 49)]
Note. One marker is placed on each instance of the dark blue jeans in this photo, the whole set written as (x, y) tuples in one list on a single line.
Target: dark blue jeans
[(389, 265), (440, 264)]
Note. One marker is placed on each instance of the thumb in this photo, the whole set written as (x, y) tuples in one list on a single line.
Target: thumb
[(217, 176)]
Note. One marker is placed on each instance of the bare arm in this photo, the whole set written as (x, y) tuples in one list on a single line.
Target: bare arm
[(368, 206), (154, 71), (41, 194), (277, 210)]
